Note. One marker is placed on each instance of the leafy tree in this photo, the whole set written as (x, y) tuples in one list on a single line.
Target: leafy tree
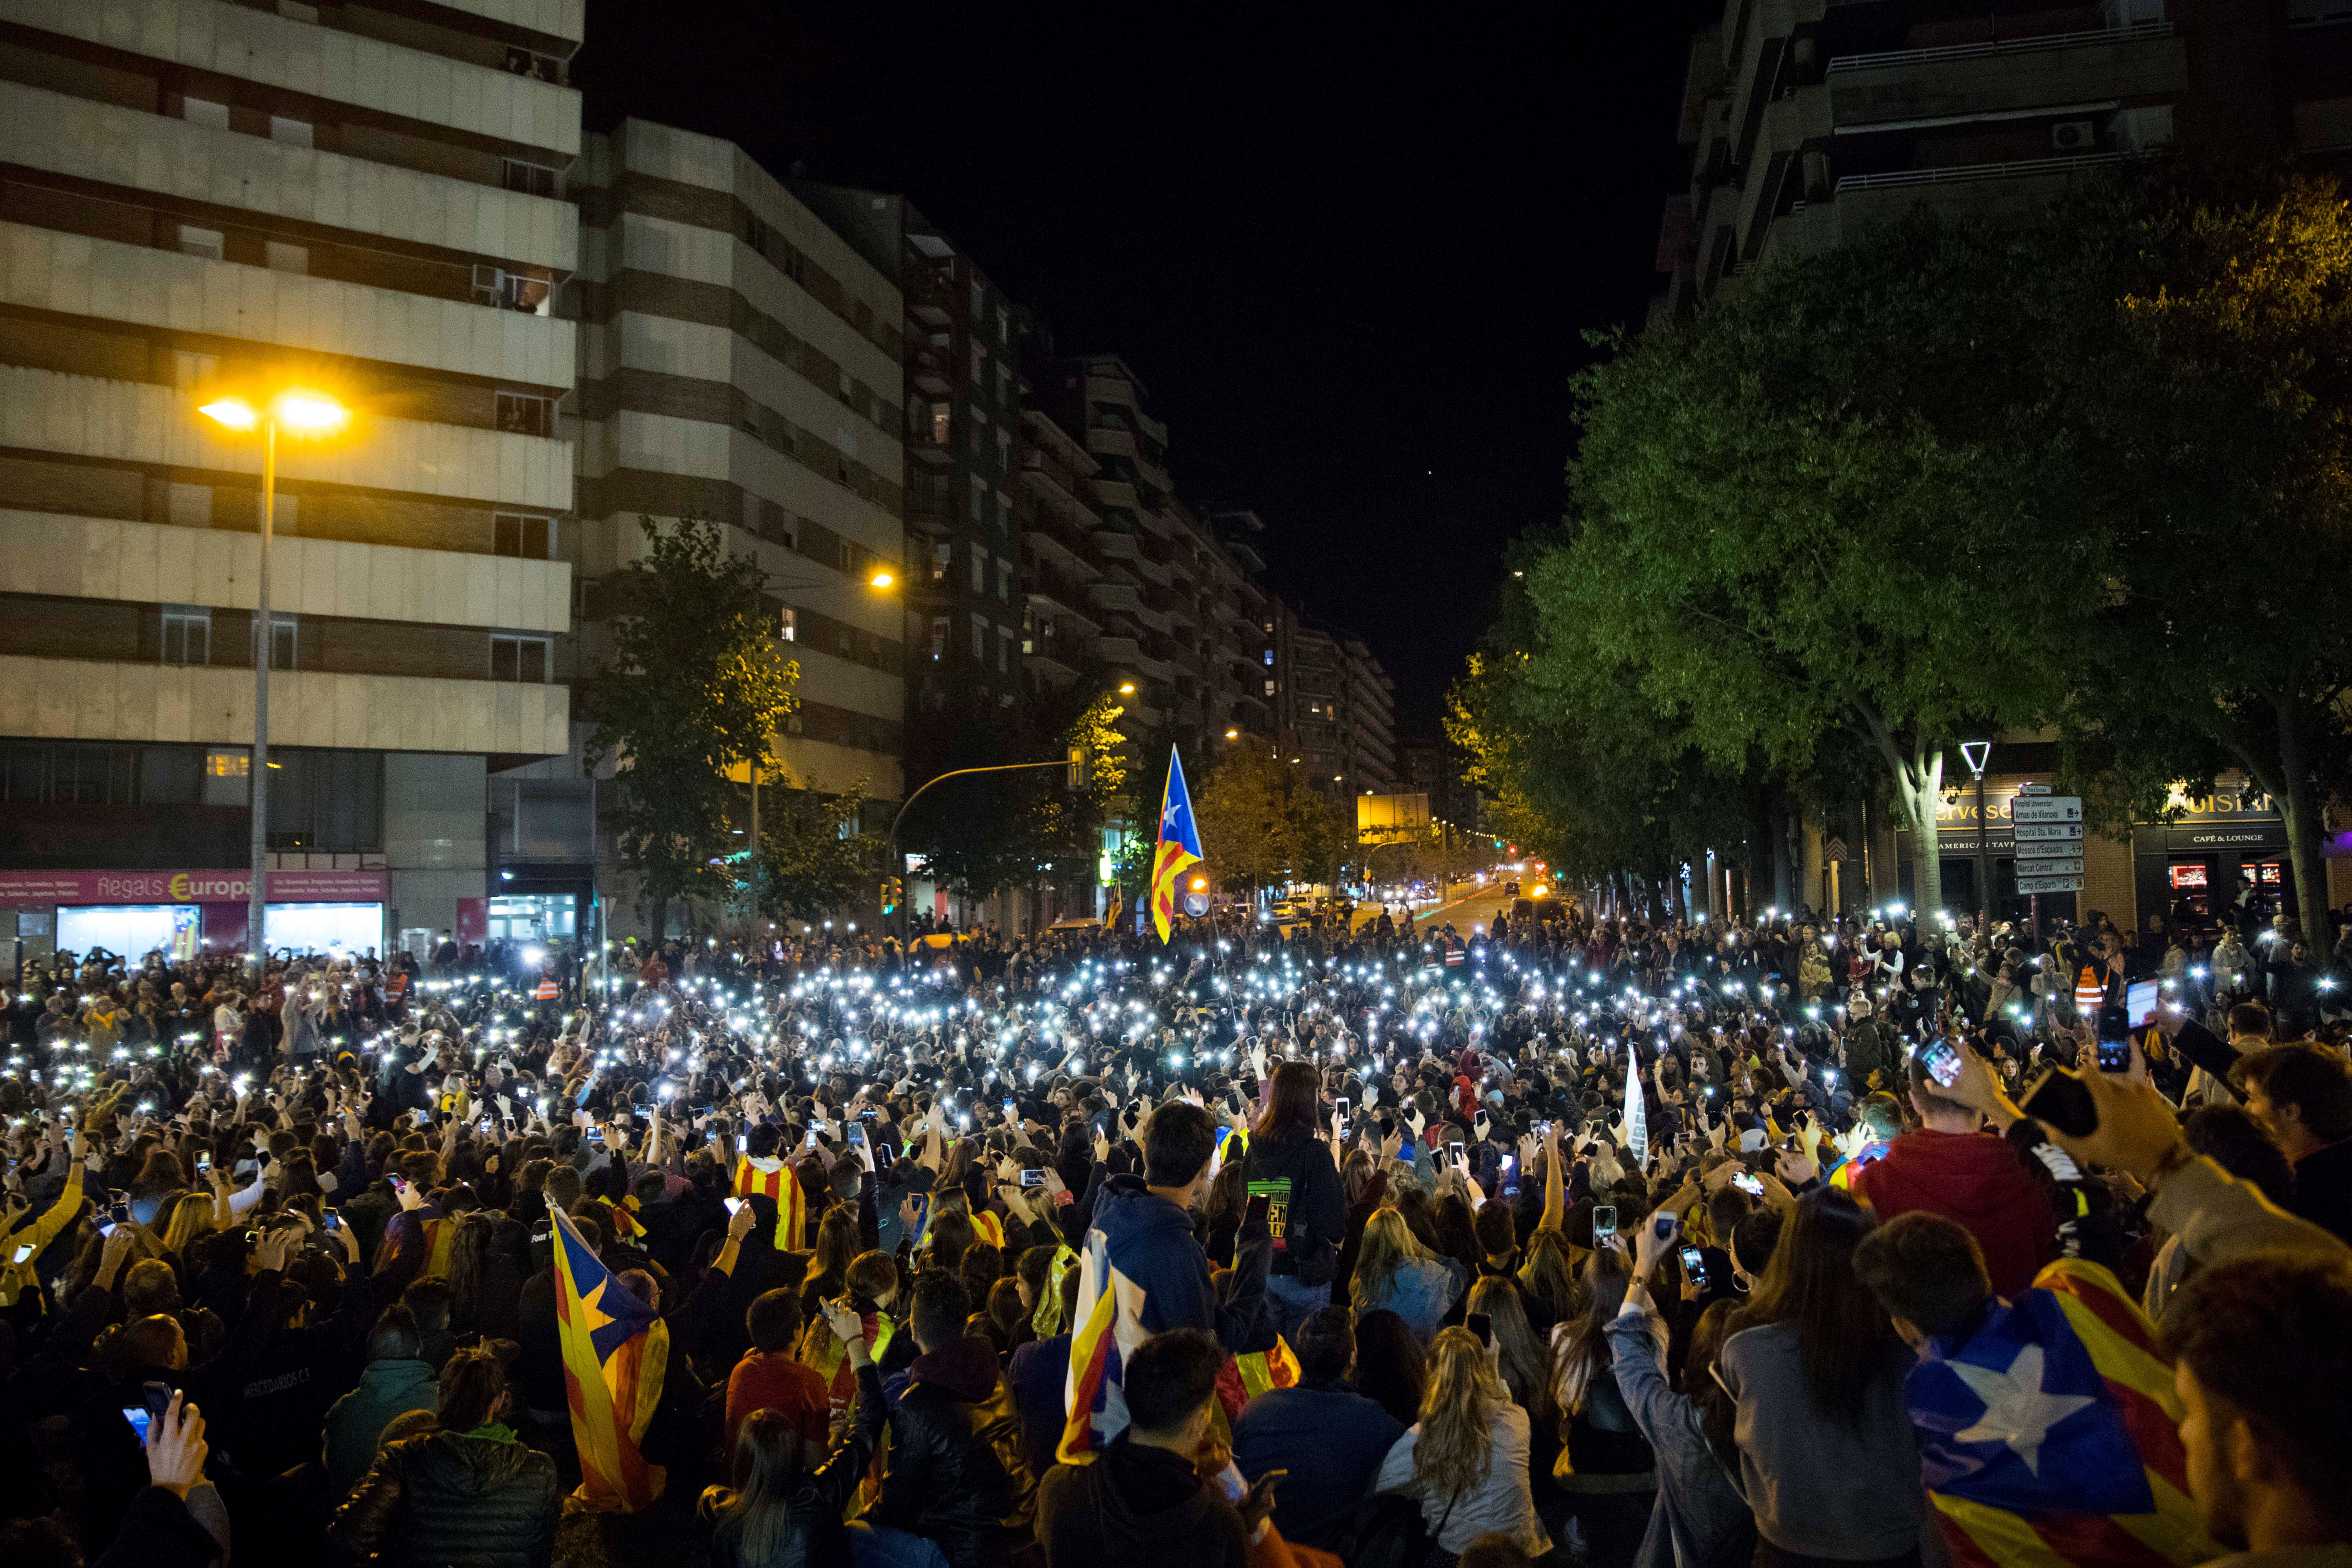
[(814, 858), (1829, 506), (695, 686), (2218, 425), (1260, 822)]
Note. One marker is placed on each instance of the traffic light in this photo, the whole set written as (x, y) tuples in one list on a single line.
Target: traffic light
[(893, 890), (1081, 769)]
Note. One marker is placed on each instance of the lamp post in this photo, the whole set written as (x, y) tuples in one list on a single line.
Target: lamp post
[(880, 581), (304, 413), (1976, 754)]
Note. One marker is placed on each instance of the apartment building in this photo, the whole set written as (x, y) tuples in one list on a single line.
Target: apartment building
[(962, 393), (199, 197), (739, 362), (1334, 708), (1813, 120), (1435, 768)]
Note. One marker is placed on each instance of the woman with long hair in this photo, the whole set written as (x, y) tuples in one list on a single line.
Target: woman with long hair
[(1700, 1517), (1614, 1475), (188, 1217), (470, 1260), (1396, 1273), (788, 1513), (1826, 1449), (1291, 1165), (828, 1264), (1391, 1369), (1466, 1459), (1547, 1276), (1521, 1356)]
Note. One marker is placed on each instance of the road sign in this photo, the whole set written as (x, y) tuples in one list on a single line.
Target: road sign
[(1835, 849), (2050, 884), (2032, 789), (2048, 832), (2046, 808), (2032, 869), (1196, 904)]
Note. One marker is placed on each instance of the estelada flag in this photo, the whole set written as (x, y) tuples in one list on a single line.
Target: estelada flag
[(2049, 1436), (1108, 1329), (1179, 846), (764, 1175), (615, 1355)]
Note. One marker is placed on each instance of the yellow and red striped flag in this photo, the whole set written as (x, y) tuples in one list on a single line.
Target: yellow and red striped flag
[(765, 1175), (615, 1355)]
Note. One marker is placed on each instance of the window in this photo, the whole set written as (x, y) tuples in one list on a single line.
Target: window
[(520, 414), (1003, 325), (531, 538), (1269, 689), (791, 630), (520, 658), (1004, 578), (942, 554), (523, 62), (533, 179), (939, 634), (187, 634), (1004, 384), (979, 499), (202, 111), (283, 639), (226, 769), (284, 257), (978, 570), (979, 640), (1003, 449), (293, 132), (204, 242), (978, 368), (1003, 651), (942, 423)]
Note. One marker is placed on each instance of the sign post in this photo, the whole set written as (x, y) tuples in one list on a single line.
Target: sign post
[(2049, 833)]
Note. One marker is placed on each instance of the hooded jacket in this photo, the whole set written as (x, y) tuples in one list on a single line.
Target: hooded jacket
[(448, 1497), (957, 1472), (1309, 1213), (1976, 1180), (1138, 1507), (357, 1420)]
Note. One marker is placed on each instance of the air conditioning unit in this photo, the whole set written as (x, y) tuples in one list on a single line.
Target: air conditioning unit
[(2074, 136), (490, 285)]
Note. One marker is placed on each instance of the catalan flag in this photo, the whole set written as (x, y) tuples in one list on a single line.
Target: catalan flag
[(764, 1175), (615, 1355), (990, 1228), (1178, 847), (1108, 1328), (2048, 1436)]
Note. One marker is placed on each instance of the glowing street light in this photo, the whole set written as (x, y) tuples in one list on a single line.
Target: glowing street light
[(302, 412)]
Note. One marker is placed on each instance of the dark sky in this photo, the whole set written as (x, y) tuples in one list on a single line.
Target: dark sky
[(1349, 251)]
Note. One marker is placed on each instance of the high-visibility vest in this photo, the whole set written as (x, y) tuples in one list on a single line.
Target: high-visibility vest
[(548, 991), (2088, 995)]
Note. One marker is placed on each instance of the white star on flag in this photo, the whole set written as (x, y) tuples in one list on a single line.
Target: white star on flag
[(2017, 1412)]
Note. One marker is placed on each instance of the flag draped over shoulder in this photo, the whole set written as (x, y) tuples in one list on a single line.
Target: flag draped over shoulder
[(1179, 846), (2048, 1438), (1107, 1329), (615, 1356), (765, 1175)]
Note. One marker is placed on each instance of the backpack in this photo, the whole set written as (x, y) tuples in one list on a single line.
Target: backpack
[(1387, 1532)]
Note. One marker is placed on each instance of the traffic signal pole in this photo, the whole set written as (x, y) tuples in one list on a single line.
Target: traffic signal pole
[(1078, 765)]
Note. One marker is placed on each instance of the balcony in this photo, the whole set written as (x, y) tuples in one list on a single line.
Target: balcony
[(1062, 599), (930, 368), (1904, 88), (1116, 597), (1109, 545)]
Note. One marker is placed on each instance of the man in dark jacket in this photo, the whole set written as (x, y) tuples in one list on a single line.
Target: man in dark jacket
[(1147, 1224), (1142, 1503), (957, 1476), (1330, 1438)]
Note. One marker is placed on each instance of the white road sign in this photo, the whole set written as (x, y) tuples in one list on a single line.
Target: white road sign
[(2067, 867), (2050, 884), (2046, 808), (2048, 832)]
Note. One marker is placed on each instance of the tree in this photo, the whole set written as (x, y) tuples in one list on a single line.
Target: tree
[(2220, 441), (1260, 822), (1829, 505), (814, 858), (695, 686)]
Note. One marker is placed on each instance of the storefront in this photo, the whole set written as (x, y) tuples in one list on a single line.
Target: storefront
[(1957, 848), (2225, 860), (184, 913)]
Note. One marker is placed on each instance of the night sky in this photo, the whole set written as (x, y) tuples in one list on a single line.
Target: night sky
[(1350, 253)]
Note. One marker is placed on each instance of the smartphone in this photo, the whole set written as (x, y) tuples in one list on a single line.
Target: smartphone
[(742, 1144), (2140, 998), (332, 1220), (1604, 1221), (1480, 1324), (1260, 1206), (1663, 1226), (2059, 1099), (732, 1204), (1695, 1266), (1941, 1061), (1341, 1105), (883, 1157), (1009, 1111), (1453, 1151), (140, 1419), (857, 1132), (399, 1184), (25, 1253), (1032, 1178), (204, 1164)]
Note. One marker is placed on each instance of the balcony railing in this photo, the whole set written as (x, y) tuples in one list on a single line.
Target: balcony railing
[(2021, 168), (2136, 31)]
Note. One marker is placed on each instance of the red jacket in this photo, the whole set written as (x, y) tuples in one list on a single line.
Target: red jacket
[(1976, 1180)]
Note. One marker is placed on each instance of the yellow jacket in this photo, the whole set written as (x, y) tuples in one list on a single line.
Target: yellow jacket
[(20, 1250)]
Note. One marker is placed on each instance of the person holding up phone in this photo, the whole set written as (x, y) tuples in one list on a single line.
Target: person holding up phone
[(1948, 1167)]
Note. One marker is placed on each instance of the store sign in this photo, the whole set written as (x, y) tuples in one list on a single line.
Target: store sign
[(191, 887)]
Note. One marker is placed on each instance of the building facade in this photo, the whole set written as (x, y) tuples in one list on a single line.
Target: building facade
[(1810, 122), (739, 362), (199, 198)]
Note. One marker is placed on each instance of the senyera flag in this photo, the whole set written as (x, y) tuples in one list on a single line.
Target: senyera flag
[(615, 1355), (763, 1174), (1179, 846), (1107, 1329)]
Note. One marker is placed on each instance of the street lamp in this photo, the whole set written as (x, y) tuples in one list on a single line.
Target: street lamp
[(1127, 688), (299, 412), (1976, 754)]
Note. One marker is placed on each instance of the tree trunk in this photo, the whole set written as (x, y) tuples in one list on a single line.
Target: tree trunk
[(2302, 816), (659, 920), (1918, 773)]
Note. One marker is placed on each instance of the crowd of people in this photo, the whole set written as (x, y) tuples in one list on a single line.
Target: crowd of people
[(1780, 1240)]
